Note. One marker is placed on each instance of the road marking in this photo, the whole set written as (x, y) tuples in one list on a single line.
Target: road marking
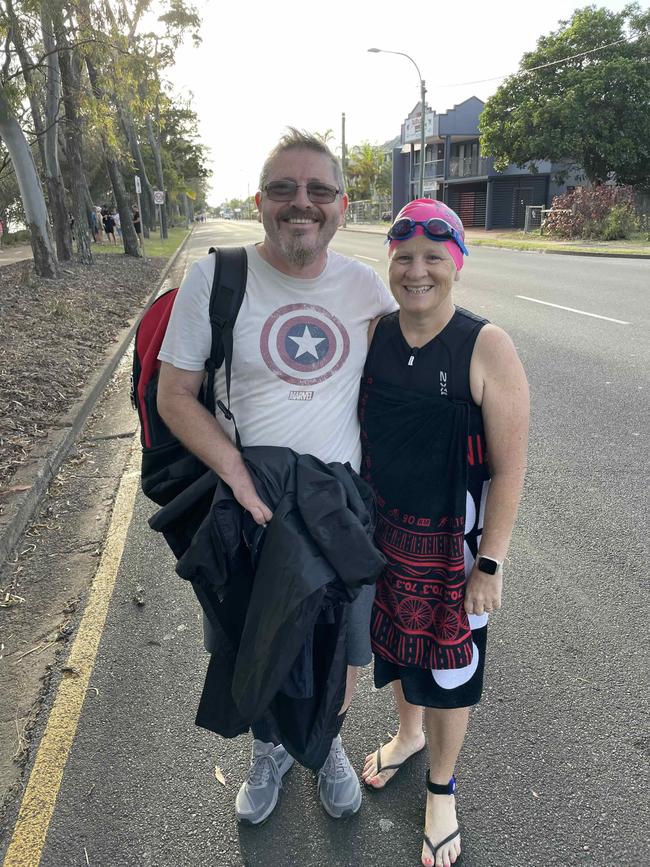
[(37, 806), (573, 310), (369, 258)]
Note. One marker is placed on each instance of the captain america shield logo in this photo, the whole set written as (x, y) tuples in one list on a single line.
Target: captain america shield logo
[(304, 344)]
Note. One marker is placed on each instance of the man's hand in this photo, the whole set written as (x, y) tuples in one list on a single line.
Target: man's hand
[(483, 593), (244, 492), (197, 429)]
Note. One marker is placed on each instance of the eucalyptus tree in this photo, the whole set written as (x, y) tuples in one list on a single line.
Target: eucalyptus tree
[(71, 88), (96, 46), (24, 32), (31, 191)]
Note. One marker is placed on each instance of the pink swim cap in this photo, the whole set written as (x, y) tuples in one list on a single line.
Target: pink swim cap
[(423, 210)]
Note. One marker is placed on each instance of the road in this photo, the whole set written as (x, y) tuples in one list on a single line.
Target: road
[(554, 770)]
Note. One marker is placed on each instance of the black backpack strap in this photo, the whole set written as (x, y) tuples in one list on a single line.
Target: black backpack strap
[(226, 296)]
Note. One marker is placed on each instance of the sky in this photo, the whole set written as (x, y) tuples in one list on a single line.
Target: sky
[(263, 66)]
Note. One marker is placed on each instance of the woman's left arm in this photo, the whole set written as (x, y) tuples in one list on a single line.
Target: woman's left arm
[(505, 408)]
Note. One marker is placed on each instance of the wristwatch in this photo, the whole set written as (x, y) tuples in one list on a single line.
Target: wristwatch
[(489, 565)]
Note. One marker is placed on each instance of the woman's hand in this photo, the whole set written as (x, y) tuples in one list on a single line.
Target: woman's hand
[(483, 592)]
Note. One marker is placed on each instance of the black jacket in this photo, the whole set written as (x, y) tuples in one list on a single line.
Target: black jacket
[(277, 598)]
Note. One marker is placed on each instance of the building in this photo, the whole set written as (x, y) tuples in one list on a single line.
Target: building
[(456, 173)]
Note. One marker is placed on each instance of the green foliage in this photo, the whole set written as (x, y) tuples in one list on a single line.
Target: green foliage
[(592, 110), (619, 223), (606, 213), (22, 236), (368, 172)]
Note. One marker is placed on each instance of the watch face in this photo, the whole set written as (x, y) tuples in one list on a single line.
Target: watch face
[(488, 566)]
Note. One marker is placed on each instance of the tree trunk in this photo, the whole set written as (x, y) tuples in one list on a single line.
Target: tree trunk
[(31, 191), (146, 199), (129, 236), (53, 177), (159, 172), (186, 203), (54, 182), (71, 87)]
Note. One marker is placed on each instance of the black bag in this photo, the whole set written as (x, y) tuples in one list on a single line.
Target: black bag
[(167, 466)]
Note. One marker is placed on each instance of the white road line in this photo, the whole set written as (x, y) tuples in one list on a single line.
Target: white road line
[(369, 258), (573, 310)]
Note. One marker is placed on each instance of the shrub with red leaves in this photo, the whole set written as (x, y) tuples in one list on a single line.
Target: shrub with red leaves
[(605, 212)]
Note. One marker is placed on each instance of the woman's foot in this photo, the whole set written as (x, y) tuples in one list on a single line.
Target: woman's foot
[(395, 752), (439, 824)]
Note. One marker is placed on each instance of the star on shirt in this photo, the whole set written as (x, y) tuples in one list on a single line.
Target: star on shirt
[(307, 343)]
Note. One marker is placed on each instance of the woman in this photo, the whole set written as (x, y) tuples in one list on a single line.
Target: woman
[(442, 389)]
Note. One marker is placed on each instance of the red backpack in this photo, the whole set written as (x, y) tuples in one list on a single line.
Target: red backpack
[(167, 466)]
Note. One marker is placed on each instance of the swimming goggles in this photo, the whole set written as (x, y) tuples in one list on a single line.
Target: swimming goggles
[(435, 228)]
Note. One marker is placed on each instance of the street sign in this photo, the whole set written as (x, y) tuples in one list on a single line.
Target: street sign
[(138, 185), (159, 197)]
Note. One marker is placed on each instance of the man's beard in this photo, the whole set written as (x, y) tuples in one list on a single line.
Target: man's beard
[(294, 249), (299, 254)]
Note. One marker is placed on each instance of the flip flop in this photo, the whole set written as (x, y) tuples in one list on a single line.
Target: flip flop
[(437, 789), (395, 767), (434, 849)]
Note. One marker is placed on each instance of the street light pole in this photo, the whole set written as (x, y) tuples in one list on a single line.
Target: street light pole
[(423, 93)]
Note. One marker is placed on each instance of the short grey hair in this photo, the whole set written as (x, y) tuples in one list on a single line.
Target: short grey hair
[(296, 139)]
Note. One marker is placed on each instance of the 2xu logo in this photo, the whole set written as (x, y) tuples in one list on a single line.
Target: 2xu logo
[(443, 382)]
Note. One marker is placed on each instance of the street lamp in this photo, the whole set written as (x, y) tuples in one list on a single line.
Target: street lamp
[(423, 93)]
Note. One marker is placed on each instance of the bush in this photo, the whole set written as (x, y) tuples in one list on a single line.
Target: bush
[(619, 223), (22, 236), (606, 213)]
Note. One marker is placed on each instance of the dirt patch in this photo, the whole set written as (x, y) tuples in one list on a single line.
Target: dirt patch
[(53, 333)]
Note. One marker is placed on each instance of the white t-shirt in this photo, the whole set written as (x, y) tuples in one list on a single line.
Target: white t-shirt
[(299, 350)]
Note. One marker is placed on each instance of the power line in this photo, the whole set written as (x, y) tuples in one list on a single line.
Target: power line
[(541, 66)]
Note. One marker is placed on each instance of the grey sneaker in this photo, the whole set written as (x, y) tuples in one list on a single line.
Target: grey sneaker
[(338, 784), (258, 794)]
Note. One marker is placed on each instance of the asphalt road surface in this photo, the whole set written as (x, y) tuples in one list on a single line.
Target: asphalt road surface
[(554, 770)]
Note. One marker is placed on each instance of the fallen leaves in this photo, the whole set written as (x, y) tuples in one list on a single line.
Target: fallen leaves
[(218, 774)]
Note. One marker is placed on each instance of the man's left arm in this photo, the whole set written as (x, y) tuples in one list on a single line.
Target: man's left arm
[(505, 408)]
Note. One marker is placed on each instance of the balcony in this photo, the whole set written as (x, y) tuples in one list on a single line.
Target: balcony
[(432, 169), (468, 167)]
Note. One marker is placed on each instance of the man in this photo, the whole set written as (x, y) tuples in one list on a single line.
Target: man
[(299, 348)]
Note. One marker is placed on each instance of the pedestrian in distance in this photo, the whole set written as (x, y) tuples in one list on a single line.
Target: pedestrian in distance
[(444, 421), (118, 223), (300, 342), (109, 226), (137, 224), (98, 225)]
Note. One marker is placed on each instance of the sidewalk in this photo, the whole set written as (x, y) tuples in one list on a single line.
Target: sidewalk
[(14, 253), (510, 239)]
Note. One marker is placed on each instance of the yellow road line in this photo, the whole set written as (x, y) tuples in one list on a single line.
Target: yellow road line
[(37, 807)]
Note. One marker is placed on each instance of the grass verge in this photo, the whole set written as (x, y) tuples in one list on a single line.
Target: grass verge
[(153, 245), (605, 249)]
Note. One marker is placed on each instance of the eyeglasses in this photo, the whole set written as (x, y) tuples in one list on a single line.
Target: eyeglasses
[(436, 229), (285, 191)]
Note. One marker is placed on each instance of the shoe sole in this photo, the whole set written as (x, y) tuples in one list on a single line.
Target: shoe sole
[(346, 813)]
